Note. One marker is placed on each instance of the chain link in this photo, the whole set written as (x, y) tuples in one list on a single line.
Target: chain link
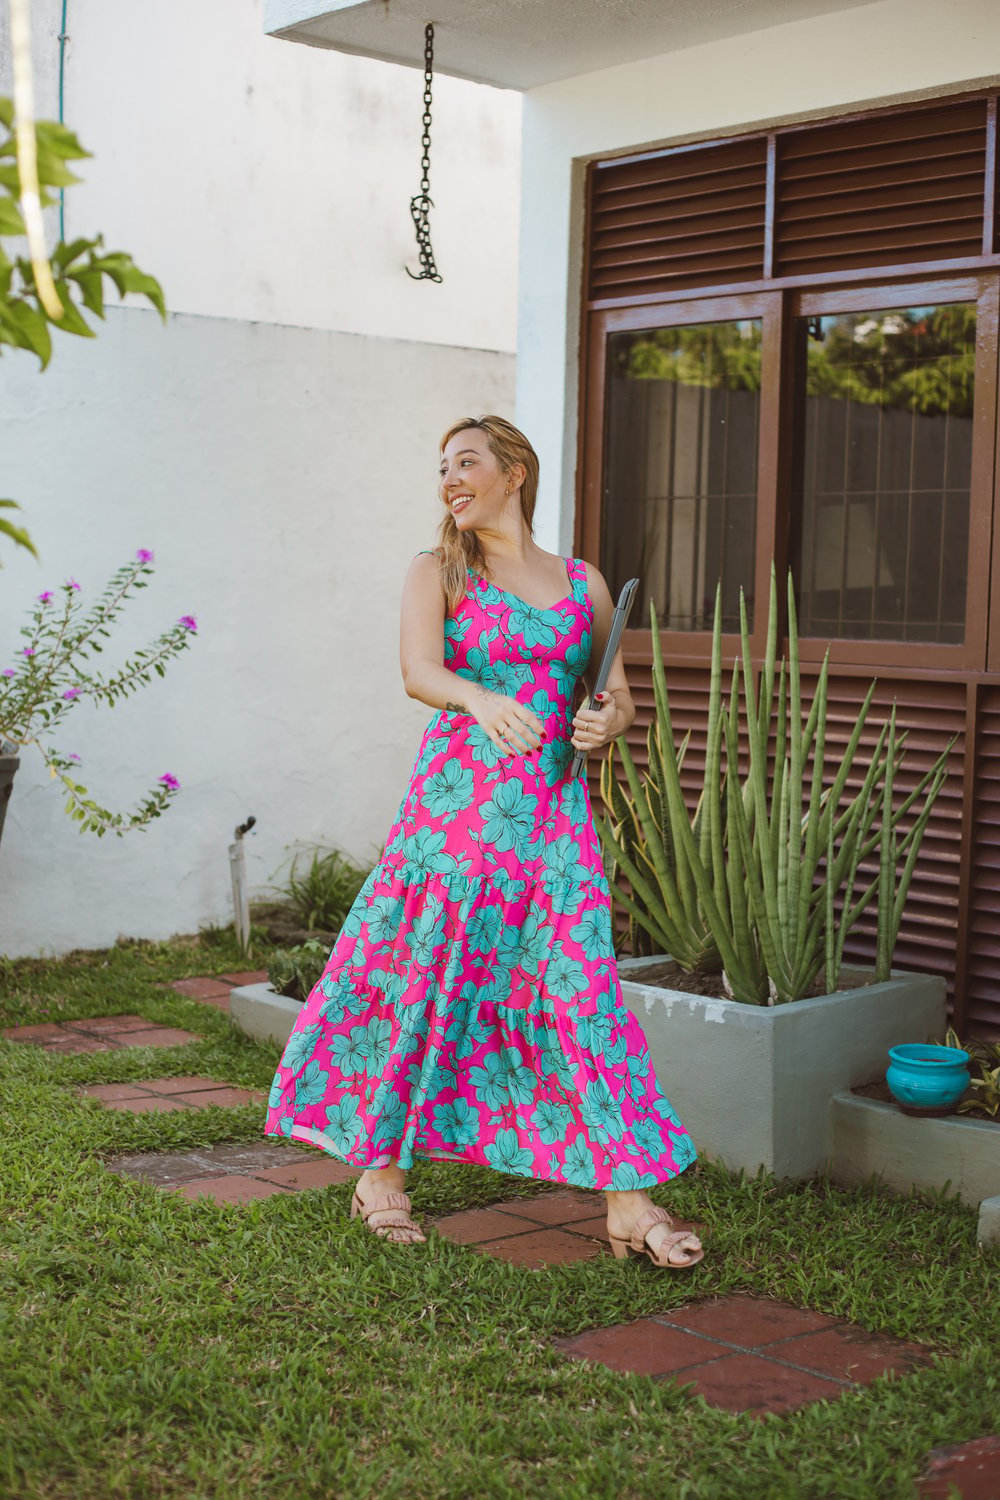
[(422, 202)]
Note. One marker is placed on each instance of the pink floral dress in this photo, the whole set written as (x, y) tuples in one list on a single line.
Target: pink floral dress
[(471, 1009)]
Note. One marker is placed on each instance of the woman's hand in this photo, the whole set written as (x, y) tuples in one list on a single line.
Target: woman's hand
[(512, 726), (593, 728)]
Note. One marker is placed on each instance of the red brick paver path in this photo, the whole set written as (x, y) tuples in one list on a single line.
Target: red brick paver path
[(216, 989), (552, 1229), (971, 1470), (160, 1095), (748, 1354), (99, 1034), (235, 1173)]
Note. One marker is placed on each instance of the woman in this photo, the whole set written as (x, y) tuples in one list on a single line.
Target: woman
[(470, 1008)]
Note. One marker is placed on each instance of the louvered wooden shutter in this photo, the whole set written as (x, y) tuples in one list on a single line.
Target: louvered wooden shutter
[(678, 220), (891, 189), (983, 947)]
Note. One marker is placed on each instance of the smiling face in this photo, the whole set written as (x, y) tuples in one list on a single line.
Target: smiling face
[(472, 484)]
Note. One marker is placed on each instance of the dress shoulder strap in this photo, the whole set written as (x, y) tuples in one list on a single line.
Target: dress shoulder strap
[(577, 570)]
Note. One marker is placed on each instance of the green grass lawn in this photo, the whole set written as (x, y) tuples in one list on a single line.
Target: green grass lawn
[(156, 1347)]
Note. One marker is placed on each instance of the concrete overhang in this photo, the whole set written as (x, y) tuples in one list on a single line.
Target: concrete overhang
[(521, 44)]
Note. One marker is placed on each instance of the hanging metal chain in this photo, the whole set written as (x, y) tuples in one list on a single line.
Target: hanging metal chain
[(422, 202)]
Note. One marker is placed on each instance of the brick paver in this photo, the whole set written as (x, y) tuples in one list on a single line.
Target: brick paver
[(233, 1172), (158, 1095), (216, 989), (749, 1354), (971, 1470), (100, 1034)]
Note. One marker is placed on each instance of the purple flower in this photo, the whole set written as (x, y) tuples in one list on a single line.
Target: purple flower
[(45, 598), (73, 757), (170, 782), (143, 555), (72, 692), (7, 672), (71, 583), (27, 650), (189, 622)]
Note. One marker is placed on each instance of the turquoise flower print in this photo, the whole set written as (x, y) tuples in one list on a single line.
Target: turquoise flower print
[(554, 759), (377, 1045), (526, 946), (427, 1076), (507, 677), (552, 1058), (509, 820), (626, 1179), (508, 887), (310, 1086), (594, 1032), (536, 627), (600, 1111), (566, 669), (350, 1052), (339, 1002), (682, 1151), (593, 933), (389, 1124), (506, 1154), (615, 1050), (455, 631), (427, 933), (466, 1031), (579, 1164), (343, 1124), (564, 977), (484, 929), (482, 747), (277, 1094), (496, 990), (520, 1079), (638, 1071), (541, 704), (573, 802), (354, 920), (384, 916), (562, 862), (457, 1123), (490, 1082), (648, 1136), (424, 855), (301, 1046), (552, 1121), (449, 791)]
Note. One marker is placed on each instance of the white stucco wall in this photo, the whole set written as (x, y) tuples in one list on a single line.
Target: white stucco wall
[(284, 477), (274, 444), (893, 50), (270, 181)]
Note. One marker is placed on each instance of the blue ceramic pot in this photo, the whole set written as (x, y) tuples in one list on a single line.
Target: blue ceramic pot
[(927, 1077)]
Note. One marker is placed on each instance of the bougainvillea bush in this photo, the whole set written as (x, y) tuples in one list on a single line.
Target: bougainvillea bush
[(57, 669)]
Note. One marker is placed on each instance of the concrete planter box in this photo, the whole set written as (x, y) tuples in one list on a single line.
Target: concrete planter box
[(262, 1013), (753, 1084), (873, 1139)]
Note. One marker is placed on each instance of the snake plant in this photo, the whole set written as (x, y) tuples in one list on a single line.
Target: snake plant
[(768, 876)]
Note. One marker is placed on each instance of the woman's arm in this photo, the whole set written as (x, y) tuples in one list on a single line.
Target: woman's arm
[(595, 728), (512, 726)]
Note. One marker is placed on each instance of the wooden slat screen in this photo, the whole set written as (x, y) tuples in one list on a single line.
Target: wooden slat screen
[(897, 188), (904, 187), (678, 220), (983, 947)]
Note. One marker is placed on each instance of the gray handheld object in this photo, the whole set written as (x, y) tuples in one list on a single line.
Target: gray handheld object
[(618, 622)]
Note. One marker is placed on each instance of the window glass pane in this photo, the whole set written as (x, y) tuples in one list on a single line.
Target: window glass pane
[(683, 411), (881, 499)]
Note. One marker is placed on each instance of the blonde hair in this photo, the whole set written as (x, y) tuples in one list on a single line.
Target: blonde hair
[(460, 551)]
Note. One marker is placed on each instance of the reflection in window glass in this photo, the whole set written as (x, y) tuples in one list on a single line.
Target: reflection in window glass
[(881, 502), (683, 411)]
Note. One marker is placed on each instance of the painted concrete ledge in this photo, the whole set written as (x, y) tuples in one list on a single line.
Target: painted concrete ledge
[(753, 1083), (262, 1013), (871, 1139)]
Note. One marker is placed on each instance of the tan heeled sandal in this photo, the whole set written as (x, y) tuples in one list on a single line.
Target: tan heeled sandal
[(635, 1247), (385, 1212)]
